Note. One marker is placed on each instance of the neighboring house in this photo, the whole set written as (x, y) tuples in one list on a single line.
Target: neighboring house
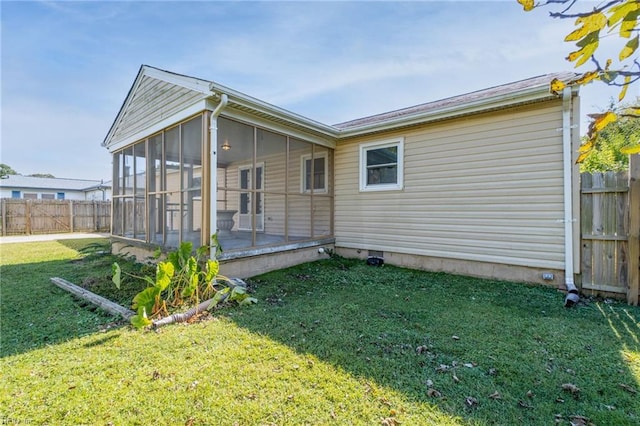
[(98, 192), (481, 184), (39, 188)]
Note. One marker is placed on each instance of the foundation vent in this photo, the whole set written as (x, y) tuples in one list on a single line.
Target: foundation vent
[(375, 258)]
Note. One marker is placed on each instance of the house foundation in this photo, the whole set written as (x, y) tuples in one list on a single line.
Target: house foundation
[(244, 263), (554, 278)]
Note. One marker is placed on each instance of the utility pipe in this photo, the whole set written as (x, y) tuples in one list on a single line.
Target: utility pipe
[(572, 292), (213, 165)]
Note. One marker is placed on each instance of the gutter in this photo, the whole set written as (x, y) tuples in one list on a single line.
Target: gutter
[(239, 101), (336, 133), (213, 161), (572, 292), (245, 101), (530, 94)]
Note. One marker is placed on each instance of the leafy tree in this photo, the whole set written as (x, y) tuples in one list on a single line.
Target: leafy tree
[(609, 17), (610, 141), (6, 170)]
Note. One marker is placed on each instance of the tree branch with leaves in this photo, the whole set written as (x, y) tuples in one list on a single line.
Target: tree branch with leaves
[(609, 18)]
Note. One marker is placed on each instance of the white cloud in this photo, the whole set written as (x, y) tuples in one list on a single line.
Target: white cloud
[(63, 84)]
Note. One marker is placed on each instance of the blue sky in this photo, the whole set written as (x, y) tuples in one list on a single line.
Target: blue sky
[(67, 66)]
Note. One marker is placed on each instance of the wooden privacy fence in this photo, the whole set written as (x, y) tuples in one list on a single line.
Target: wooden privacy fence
[(21, 216), (610, 226)]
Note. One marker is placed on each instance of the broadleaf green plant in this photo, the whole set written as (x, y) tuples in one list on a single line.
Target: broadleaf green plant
[(182, 280), (116, 273)]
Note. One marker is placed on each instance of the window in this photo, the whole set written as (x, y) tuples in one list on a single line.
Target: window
[(30, 196), (316, 174), (381, 165), (197, 185), (15, 194), (60, 196), (48, 196)]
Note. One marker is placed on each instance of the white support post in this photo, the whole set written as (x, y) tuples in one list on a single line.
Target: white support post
[(213, 167)]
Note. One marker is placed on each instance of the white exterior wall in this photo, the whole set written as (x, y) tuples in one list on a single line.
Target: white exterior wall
[(98, 195), (68, 194), (484, 188)]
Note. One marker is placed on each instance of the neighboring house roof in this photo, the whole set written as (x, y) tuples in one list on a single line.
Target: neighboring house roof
[(99, 187), (207, 94), (30, 182)]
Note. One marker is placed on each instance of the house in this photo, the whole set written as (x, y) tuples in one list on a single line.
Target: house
[(481, 184), (40, 188)]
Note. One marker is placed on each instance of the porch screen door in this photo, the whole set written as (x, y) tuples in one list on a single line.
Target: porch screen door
[(250, 201)]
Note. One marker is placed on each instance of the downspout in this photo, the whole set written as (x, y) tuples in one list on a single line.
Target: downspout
[(572, 292), (213, 165)]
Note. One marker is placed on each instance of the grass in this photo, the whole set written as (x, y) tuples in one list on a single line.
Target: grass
[(330, 342), (35, 313)]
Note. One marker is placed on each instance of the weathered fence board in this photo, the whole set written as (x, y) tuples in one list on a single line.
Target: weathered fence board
[(610, 222), (633, 294), (21, 216), (604, 218), (50, 217)]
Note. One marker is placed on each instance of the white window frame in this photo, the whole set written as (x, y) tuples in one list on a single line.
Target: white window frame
[(364, 148), (303, 173), (252, 190)]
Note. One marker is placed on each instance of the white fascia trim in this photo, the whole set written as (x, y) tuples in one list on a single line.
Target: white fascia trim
[(191, 83), (246, 101), (326, 135), (501, 101), (167, 122), (107, 140), (246, 117)]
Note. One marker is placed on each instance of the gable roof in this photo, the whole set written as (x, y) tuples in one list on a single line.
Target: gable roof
[(520, 92), (192, 95), (197, 94), (31, 182), (189, 90)]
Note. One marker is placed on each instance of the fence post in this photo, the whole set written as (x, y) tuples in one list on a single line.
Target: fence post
[(95, 215), (634, 230), (4, 217), (71, 215), (27, 210)]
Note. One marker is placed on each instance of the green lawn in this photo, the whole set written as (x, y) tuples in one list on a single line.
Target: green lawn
[(331, 342)]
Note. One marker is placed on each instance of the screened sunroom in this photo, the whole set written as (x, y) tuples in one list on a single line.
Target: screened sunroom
[(271, 189)]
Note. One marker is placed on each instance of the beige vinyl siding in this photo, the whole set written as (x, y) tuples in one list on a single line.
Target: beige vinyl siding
[(153, 101), (274, 181), (272, 204), (321, 215), (485, 188)]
